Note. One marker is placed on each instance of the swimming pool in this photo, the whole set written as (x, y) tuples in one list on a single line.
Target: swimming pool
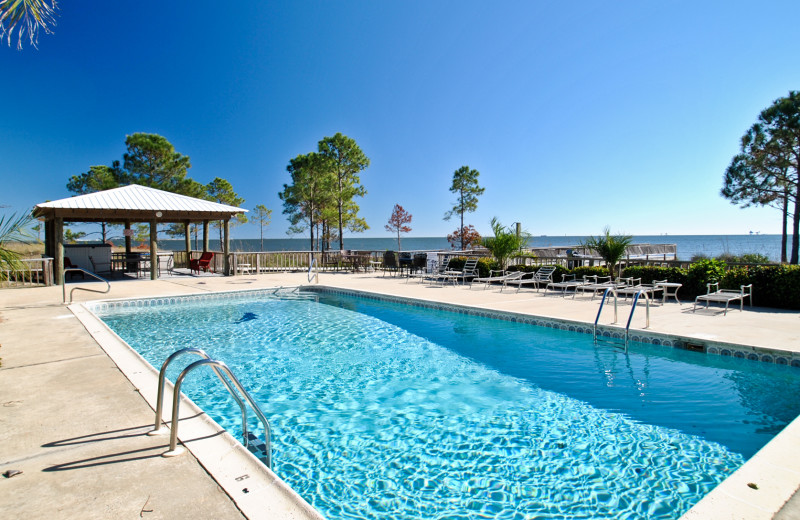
[(382, 410)]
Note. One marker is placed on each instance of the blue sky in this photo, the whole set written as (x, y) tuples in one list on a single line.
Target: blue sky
[(578, 115)]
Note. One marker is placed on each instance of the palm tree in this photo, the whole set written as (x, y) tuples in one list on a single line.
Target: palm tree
[(611, 248), (504, 243), (12, 229), (26, 16)]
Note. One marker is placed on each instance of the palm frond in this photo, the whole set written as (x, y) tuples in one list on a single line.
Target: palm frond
[(13, 229), (26, 17)]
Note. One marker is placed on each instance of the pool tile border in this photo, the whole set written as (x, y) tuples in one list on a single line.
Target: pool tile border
[(774, 356), (752, 353)]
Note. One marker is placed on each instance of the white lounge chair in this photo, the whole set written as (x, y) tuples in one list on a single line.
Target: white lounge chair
[(541, 277), (725, 296), (470, 270), (634, 286), (442, 273), (599, 284), (568, 281), (495, 276)]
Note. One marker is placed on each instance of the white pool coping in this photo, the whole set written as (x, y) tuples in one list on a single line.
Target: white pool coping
[(257, 491), (756, 491)]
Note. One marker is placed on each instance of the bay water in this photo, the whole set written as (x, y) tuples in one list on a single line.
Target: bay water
[(688, 246)]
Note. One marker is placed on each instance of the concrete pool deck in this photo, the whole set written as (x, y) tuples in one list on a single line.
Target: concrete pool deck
[(74, 424)]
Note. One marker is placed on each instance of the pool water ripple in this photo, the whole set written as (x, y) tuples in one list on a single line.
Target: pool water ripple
[(432, 420)]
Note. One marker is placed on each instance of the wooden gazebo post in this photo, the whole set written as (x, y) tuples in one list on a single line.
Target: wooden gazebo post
[(226, 247), (153, 250), (186, 233), (58, 253)]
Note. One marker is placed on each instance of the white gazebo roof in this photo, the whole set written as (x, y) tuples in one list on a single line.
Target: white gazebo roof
[(133, 203)]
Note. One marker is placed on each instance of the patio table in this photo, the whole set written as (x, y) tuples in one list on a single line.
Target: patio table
[(667, 286)]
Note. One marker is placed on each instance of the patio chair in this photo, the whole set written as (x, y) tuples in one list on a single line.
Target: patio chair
[(725, 296), (201, 263), (69, 265), (166, 262), (541, 277), (418, 264), (100, 267), (143, 266), (390, 262)]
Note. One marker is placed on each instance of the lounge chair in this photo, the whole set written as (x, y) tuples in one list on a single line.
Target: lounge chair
[(725, 296), (495, 276), (541, 277), (470, 270), (201, 263), (600, 284), (100, 267), (568, 281), (635, 286), (442, 273)]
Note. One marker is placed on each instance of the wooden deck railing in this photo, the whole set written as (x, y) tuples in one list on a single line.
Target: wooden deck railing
[(30, 273)]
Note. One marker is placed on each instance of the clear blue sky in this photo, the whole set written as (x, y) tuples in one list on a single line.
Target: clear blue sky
[(577, 114)]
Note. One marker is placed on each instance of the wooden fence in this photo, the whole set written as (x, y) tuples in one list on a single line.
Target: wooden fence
[(31, 272)]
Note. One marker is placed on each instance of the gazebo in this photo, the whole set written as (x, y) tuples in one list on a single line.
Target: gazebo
[(131, 204)]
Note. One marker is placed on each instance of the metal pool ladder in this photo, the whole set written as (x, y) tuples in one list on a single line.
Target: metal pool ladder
[(231, 384), (613, 291)]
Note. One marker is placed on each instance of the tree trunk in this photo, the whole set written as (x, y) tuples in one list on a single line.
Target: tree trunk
[(341, 233), (785, 226), (461, 231), (796, 227)]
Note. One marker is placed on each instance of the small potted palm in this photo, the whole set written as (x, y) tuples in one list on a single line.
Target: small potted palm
[(610, 248), (504, 243)]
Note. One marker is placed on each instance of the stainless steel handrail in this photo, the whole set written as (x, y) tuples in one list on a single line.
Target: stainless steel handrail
[(162, 376), (608, 291), (633, 308), (176, 400), (78, 269), (312, 264)]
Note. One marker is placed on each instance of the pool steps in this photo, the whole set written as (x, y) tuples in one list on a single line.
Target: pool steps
[(231, 383), (636, 296)]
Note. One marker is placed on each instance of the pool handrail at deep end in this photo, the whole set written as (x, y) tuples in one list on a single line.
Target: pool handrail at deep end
[(633, 308), (609, 290)]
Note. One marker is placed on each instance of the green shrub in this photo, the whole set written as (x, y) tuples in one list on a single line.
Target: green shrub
[(776, 286), (582, 271), (649, 274), (701, 273), (484, 265), (747, 258), (753, 258)]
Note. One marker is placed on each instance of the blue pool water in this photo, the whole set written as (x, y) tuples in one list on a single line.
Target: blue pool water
[(382, 410)]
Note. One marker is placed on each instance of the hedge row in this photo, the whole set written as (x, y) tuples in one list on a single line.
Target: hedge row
[(776, 286)]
